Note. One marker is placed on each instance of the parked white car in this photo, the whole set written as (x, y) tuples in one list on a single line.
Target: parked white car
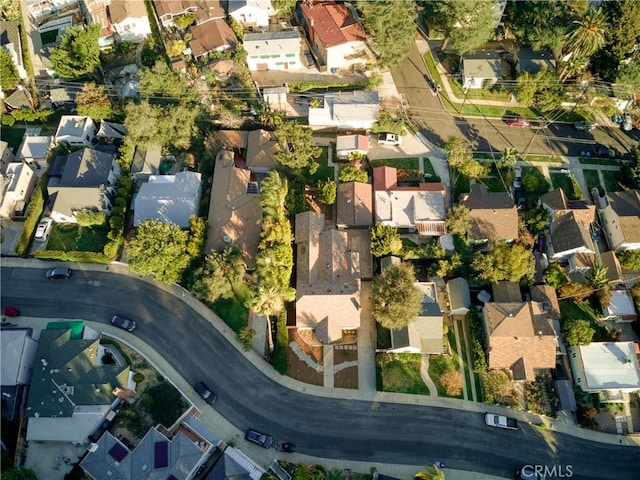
[(43, 230), (389, 139), (627, 124)]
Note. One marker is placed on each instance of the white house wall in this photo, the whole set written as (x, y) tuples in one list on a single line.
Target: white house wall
[(336, 56), (276, 61)]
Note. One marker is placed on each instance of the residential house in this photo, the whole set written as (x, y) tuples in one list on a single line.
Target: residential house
[(212, 36), (609, 369), (346, 110), (506, 292), (129, 20), (532, 62), (251, 14), (348, 144), (330, 266), (20, 99), (159, 455), (619, 214), (6, 156), (424, 333), (235, 213), (168, 198), (16, 186), (275, 98), (11, 42), (420, 208), (96, 12), (59, 97), (146, 162), (34, 150), (71, 390), (459, 297), (232, 139), (336, 37), (570, 226), (111, 132), (494, 215), (273, 50), (17, 356), (233, 464), (481, 69), (52, 15), (75, 130), (622, 307), (83, 180), (261, 151), (354, 205), (547, 297), (519, 338), (202, 10)]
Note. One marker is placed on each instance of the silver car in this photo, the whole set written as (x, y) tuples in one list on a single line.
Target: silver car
[(627, 124)]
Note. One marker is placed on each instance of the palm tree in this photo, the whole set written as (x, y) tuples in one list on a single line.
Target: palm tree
[(587, 33), (508, 158), (597, 275), (270, 300)]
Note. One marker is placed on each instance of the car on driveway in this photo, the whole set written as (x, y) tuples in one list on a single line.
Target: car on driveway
[(627, 124), (517, 122), (584, 126), (123, 323), (258, 438), (206, 394), (389, 139), (43, 230), (58, 272)]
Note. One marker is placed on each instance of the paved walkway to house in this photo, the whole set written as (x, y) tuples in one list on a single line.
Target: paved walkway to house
[(366, 341), (424, 373), (465, 394)]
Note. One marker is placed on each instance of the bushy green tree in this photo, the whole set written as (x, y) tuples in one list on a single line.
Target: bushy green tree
[(390, 26), (163, 81), (159, 248), (538, 24), (554, 275), (575, 291), (327, 190), (170, 125), (385, 240), (297, 148), (467, 23), (217, 277), (351, 173), (535, 183), (460, 158), (504, 262), (185, 20), (9, 77), (396, 300), (627, 80), (245, 336), (577, 332), (459, 220), (94, 102), (629, 259), (508, 158), (78, 53), (537, 220)]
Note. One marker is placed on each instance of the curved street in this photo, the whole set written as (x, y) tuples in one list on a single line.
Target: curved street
[(338, 428)]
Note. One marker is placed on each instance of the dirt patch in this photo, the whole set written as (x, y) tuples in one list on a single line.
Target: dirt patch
[(346, 373), (305, 358)]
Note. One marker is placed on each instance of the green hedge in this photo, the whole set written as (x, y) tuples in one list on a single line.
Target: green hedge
[(34, 210), (73, 256), (282, 343)]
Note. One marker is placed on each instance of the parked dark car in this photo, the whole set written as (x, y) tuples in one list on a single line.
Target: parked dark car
[(58, 272), (258, 438), (123, 323), (521, 199), (10, 311), (206, 394), (584, 126)]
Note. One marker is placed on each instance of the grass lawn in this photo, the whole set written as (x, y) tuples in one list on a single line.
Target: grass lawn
[(428, 168), (611, 181), (567, 183), (439, 364), (493, 181), (13, 136), (400, 372), (232, 310), (72, 237), (460, 185), (576, 310), (592, 178), (411, 163), (597, 161), (324, 171), (479, 93), (451, 336), (542, 158)]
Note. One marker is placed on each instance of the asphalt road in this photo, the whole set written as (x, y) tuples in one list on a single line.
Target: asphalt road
[(322, 427), (438, 125)]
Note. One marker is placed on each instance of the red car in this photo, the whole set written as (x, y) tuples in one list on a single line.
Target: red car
[(11, 311), (517, 122)]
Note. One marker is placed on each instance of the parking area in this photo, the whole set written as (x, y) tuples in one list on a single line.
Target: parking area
[(10, 233)]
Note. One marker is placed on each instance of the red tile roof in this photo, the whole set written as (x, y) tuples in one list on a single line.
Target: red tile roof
[(333, 24)]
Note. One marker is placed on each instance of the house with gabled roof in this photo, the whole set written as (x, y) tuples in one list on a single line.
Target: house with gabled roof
[(76, 130), (348, 144), (252, 14), (34, 150), (424, 333), (346, 110), (330, 266), (71, 391), (211, 36), (17, 356), (168, 198), (354, 205), (610, 369), (494, 215), (273, 50), (11, 42), (459, 296), (481, 69), (619, 214), (202, 10), (530, 61), (336, 37), (129, 20), (83, 180), (235, 211), (261, 151), (421, 208), (519, 338)]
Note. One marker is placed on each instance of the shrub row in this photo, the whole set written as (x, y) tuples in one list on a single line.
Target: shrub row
[(282, 340), (475, 329), (34, 210)]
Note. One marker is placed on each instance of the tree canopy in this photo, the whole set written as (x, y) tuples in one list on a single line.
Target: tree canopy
[(504, 262), (577, 332), (538, 24), (297, 148), (391, 26), (9, 77), (221, 272), (385, 240), (627, 80), (162, 81), (396, 300), (460, 158), (467, 23), (170, 125), (78, 53), (94, 102), (327, 190), (459, 220), (159, 248), (351, 173), (586, 34)]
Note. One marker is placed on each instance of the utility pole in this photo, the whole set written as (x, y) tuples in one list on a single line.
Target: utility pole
[(543, 124), (466, 94)]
